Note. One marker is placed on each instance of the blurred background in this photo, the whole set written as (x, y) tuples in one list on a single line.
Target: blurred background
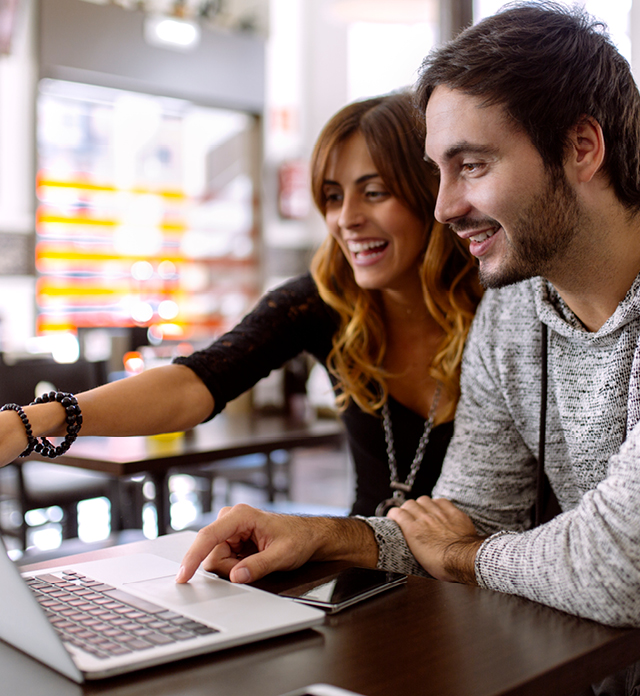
[(153, 163), (153, 153)]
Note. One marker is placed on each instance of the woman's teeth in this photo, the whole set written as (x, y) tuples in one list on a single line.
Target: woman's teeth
[(359, 247), (482, 236)]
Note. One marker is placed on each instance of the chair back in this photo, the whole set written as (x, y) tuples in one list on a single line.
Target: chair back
[(19, 380)]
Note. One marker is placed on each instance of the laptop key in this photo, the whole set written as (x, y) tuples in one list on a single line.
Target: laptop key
[(182, 620), (135, 615), (98, 586), (127, 638), (48, 602), (168, 615), (118, 650), (182, 635), (203, 630), (139, 644), (54, 579), (114, 633), (142, 632), (159, 639)]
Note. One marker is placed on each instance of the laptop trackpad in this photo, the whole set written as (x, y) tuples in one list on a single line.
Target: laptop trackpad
[(199, 589)]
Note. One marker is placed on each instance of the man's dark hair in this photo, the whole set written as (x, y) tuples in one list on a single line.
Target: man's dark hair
[(548, 66)]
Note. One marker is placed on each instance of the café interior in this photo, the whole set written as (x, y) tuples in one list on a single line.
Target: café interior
[(153, 184)]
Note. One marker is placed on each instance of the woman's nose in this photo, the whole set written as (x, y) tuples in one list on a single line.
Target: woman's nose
[(352, 213)]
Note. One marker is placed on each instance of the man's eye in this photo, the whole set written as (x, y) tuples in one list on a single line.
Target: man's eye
[(472, 166)]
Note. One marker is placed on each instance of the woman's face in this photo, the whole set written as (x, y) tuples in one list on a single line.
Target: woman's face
[(380, 237)]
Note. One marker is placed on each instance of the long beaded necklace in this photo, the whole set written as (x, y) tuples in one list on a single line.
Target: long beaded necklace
[(399, 488)]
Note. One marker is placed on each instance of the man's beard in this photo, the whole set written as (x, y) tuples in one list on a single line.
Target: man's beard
[(540, 236)]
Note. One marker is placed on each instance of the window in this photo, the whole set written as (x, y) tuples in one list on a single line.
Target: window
[(146, 213), (614, 13)]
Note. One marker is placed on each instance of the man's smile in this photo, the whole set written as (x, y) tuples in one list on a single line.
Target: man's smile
[(481, 236)]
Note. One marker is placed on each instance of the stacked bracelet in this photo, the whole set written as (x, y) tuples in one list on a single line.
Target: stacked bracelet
[(31, 441), (73, 419)]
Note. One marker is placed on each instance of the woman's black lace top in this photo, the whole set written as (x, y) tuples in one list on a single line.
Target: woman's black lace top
[(292, 319)]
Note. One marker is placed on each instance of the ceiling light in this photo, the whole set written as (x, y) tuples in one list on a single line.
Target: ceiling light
[(171, 32)]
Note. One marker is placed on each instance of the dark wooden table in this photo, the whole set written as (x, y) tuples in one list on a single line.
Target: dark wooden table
[(429, 637), (224, 437)]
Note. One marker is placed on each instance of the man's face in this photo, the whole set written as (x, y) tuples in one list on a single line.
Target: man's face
[(495, 191)]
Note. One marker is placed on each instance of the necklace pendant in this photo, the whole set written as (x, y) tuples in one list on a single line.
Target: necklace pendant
[(399, 489), (386, 505)]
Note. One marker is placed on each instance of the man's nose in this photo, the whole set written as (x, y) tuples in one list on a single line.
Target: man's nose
[(451, 202)]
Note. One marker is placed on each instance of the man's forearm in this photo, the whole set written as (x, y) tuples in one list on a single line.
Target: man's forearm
[(345, 539), (460, 560)]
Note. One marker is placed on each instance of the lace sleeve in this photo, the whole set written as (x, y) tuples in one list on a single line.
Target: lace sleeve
[(287, 321)]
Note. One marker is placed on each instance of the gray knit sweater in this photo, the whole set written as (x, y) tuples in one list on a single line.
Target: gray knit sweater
[(586, 561)]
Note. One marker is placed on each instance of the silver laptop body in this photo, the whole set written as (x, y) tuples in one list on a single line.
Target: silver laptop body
[(229, 614)]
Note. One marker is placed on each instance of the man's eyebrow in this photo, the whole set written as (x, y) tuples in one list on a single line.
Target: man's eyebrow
[(467, 148)]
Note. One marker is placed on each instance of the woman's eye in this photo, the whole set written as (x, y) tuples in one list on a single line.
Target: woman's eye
[(374, 195), (333, 197)]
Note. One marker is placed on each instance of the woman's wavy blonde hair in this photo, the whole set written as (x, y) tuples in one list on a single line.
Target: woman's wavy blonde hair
[(394, 132)]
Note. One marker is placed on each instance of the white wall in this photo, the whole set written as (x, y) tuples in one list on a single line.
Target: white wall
[(17, 84), (17, 171), (634, 34), (17, 312), (306, 82)]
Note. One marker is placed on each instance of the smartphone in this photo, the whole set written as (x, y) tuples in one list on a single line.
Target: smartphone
[(321, 690), (335, 592)]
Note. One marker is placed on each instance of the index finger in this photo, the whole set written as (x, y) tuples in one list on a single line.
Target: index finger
[(235, 522)]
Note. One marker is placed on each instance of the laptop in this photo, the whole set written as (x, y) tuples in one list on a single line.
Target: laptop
[(102, 618)]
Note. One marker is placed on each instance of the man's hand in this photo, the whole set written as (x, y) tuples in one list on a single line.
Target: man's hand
[(441, 537), (246, 544)]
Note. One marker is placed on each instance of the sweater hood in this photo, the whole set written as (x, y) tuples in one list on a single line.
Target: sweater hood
[(554, 312)]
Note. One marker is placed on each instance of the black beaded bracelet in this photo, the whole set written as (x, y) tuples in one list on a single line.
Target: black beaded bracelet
[(31, 441), (73, 419)]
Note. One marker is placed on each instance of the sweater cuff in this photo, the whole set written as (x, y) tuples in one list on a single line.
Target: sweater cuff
[(393, 552), (483, 563)]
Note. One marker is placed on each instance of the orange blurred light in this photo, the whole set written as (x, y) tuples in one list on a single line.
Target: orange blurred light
[(133, 362)]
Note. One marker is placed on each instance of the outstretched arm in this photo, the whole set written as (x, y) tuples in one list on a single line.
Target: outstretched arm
[(246, 544), (163, 399), (286, 321)]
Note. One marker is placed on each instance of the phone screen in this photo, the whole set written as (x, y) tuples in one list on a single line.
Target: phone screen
[(344, 588)]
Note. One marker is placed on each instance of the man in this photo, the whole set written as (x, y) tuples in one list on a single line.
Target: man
[(533, 120)]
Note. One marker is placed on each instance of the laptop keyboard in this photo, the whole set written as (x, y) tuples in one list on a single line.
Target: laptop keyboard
[(105, 621)]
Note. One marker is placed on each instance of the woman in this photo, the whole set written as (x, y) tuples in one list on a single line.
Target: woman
[(386, 308)]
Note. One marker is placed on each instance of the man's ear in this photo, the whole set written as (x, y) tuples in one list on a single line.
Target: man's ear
[(586, 149)]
